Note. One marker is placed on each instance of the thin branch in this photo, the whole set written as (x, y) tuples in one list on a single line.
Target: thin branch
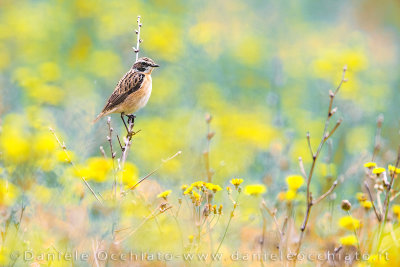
[(109, 139), (209, 136), (322, 197), (273, 216), (120, 144), (334, 128), (387, 202), (155, 170), (103, 152), (309, 144), (302, 170), (64, 148), (378, 215), (137, 31), (157, 211), (377, 145), (325, 136), (125, 150)]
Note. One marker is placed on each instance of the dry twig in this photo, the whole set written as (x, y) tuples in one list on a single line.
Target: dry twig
[(63, 146), (325, 136)]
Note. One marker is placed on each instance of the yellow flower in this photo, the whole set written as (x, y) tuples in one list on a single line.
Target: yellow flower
[(370, 165), (8, 193), (209, 186), (98, 168), (216, 188), (393, 169), (294, 182), (236, 182), (281, 196), (290, 195), (184, 187), (61, 157), (213, 187), (349, 223), (130, 174), (361, 197), (366, 204), (396, 210), (198, 184), (5, 253), (378, 260), (44, 144), (164, 194), (14, 144), (378, 170), (196, 196), (188, 191), (349, 240), (255, 189), (49, 71), (190, 237)]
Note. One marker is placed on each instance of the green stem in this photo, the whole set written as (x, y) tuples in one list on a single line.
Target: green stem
[(355, 233), (229, 223)]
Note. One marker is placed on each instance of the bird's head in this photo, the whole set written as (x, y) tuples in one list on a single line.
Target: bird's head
[(145, 65)]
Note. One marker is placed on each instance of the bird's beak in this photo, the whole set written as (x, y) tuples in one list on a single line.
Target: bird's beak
[(155, 66)]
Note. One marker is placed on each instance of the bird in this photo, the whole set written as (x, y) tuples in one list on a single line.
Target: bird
[(132, 91)]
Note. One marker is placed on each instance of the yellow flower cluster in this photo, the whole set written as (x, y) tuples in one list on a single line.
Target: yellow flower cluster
[(129, 175), (349, 240), (24, 143), (362, 199), (95, 168), (164, 194), (40, 87), (294, 182), (349, 223), (378, 170), (370, 165), (255, 189), (202, 187), (213, 187), (366, 204), (236, 182), (8, 193), (393, 169), (375, 169), (396, 210)]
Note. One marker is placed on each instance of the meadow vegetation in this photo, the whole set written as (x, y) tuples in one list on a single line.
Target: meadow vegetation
[(267, 149)]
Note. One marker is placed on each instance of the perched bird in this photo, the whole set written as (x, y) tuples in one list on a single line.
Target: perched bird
[(132, 91)]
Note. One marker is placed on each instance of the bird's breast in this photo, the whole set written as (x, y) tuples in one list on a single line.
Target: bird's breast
[(139, 99)]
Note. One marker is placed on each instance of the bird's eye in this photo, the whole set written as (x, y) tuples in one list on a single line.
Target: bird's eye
[(141, 69)]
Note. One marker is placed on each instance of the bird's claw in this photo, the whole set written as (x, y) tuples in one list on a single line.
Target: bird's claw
[(131, 118), (132, 133)]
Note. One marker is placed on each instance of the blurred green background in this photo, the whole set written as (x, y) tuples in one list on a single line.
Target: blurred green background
[(262, 69)]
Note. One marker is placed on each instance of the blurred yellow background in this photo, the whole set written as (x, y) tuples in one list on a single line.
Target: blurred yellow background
[(262, 69)]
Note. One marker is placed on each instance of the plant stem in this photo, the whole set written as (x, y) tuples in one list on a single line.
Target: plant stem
[(229, 223)]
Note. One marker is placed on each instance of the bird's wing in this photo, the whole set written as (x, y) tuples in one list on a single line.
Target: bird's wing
[(131, 82)]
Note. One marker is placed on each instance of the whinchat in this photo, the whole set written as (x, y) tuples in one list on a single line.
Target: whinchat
[(132, 91)]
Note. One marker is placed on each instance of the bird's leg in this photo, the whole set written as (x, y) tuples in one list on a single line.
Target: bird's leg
[(131, 118), (123, 120)]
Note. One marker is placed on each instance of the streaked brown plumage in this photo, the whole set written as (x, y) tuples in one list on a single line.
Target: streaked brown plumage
[(132, 91)]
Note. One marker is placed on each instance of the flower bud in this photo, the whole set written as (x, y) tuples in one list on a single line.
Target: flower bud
[(346, 205)]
